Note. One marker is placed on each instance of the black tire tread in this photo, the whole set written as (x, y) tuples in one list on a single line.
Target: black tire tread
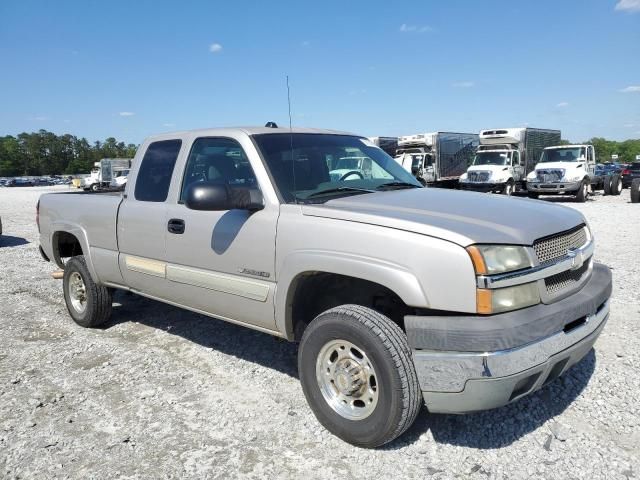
[(395, 341), (102, 300), (635, 190)]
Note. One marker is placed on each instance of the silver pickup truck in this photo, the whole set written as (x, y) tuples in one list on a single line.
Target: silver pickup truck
[(397, 294)]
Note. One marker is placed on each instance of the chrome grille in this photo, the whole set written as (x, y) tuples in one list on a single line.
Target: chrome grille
[(561, 281), (478, 176), (550, 175), (556, 247)]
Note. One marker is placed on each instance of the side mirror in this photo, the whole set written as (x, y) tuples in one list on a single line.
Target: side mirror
[(218, 197)]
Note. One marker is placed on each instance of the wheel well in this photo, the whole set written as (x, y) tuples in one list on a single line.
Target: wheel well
[(316, 292), (65, 245)]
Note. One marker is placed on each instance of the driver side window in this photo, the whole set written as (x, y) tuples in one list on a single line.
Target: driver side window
[(516, 159), (217, 160)]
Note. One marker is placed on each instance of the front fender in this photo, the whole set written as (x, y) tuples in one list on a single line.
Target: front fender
[(395, 277)]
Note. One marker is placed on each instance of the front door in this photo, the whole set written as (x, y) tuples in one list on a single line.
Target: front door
[(222, 262)]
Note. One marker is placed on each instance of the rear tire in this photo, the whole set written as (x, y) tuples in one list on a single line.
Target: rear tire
[(89, 304), (581, 194), (606, 181), (635, 190), (357, 373)]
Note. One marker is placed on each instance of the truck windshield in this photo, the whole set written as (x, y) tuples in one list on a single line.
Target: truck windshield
[(491, 158), (571, 154), (314, 168)]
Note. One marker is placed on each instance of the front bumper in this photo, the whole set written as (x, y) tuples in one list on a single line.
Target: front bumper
[(461, 381), (555, 187), (481, 186)]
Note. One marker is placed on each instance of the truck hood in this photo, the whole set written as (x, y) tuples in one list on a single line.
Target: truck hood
[(464, 218), (487, 168), (562, 165)]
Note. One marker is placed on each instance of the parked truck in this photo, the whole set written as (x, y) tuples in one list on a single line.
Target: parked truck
[(388, 144), (566, 169), (437, 158), (505, 157), (397, 294), (104, 172)]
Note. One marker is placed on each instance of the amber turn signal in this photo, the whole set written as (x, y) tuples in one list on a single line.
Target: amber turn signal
[(484, 299), (477, 259)]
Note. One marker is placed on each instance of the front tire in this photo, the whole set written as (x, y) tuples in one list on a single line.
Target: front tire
[(95, 187), (508, 188), (616, 185), (358, 376), (89, 304), (581, 194)]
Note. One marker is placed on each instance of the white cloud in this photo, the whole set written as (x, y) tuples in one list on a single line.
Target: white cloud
[(215, 48), (405, 28), (168, 124), (631, 89), (40, 118), (466, 84), (306, 43), (629, 125), (562, 104), (126, 114), (628, 5)]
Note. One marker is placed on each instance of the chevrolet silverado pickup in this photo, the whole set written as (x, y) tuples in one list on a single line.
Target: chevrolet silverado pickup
[(398, 295)]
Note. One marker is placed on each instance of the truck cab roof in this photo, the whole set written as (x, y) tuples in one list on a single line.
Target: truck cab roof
[(231, 131)]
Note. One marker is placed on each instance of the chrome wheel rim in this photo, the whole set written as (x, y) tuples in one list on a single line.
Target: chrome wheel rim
[(347, 379), (77, 292), (509, 189)]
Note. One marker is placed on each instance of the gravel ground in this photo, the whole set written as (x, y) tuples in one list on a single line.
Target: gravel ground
[(164, 393)]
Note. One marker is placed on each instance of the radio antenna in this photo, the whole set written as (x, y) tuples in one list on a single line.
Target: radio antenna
[(293, 162)]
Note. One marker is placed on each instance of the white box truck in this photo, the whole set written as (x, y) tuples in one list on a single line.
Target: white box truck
[(103, 172), (505, 157), (437, 158)]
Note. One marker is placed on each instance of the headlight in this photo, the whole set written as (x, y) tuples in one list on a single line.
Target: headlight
[(463, 177), (492, 259), (531, 176), (506, 299), (575, 178)]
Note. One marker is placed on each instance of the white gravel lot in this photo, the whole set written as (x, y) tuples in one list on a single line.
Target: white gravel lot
[(164, 393)]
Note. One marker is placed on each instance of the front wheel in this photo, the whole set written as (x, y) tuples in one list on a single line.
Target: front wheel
[(508, 188), (358, 376), (89, 304), (581, 194)]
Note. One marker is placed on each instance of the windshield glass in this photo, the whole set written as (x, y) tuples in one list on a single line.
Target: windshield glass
[(571, 154), (491, 158), (303, 165)]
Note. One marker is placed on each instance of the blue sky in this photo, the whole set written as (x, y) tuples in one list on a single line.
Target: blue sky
[(134, 68)]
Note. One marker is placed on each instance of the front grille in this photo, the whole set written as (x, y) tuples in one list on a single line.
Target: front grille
[(478, 176), (550, 175), (561, 281), (556, 247)]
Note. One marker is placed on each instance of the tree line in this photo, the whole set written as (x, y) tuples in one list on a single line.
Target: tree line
[(45, 153)]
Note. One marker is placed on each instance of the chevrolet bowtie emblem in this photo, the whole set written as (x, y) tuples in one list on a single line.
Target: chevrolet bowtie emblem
[(577, 258)]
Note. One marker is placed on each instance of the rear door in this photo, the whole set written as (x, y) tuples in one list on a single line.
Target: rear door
[(142, 218), (223, 262)]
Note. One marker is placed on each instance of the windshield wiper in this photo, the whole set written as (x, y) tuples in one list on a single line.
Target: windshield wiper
[(339, 190), (393, 185)]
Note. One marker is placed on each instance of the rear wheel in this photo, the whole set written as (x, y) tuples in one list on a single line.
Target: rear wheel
[(635, 190), (581, 194), (606, 181), (358, 376), (89, 304)]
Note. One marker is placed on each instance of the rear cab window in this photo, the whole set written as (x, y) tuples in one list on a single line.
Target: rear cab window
[(156, 170)]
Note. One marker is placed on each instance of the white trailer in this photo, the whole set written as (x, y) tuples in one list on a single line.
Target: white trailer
[(104, 172)]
